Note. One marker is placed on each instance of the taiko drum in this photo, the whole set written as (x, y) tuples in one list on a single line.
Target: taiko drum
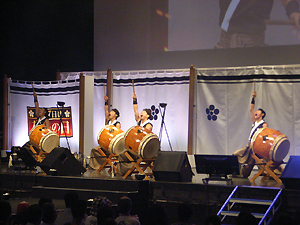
[(111, 139), (44, 138), (142, 142), (270, 144)]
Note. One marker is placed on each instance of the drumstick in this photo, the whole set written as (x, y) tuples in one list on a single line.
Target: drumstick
[(133, 87), (104, 89), (254, 85)]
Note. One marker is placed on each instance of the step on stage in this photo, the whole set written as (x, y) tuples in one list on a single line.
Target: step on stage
[(205, 198)]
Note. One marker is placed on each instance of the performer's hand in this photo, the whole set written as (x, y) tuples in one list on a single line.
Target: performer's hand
[(254, 94), (295, 16), (134, 96), (34, 94), (105, 98)]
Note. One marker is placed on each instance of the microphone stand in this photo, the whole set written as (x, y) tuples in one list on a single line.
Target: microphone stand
[(164, 106), (61, 104)]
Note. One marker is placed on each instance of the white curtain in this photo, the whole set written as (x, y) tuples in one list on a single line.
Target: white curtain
[(21, 96), (229, 90), (152, 88)]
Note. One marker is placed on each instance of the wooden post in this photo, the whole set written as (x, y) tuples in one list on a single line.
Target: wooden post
[(191, 111), (109, 87), (58, 76), (5, 113), (81, 115)]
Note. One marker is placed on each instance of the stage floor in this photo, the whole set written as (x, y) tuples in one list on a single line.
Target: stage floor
[(197, 178)]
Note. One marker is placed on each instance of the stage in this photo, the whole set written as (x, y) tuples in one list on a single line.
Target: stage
[(205, 199)]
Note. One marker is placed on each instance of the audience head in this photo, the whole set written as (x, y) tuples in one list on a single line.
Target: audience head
[(44, 200), (97, 203), (70, 197), (34, 214), (78, 209), (5, 212), (124, 205), (22, 207), (49, 213), (105, 212)]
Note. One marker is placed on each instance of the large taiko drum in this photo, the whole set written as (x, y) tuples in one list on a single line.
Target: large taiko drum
[(44, 138), (111, 139), (270, 144), (142, 142)]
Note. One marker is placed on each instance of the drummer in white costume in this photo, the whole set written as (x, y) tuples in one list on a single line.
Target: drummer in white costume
[(143, 118), (244, 154), (111, 119)]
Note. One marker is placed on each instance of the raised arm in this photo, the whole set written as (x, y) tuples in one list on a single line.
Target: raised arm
[(292, 10), (106, 109), (135, 108), (252, 113)]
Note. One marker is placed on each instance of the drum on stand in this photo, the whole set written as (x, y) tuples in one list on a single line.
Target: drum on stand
[(111, 139), (44, 138), (142, 142), (270, 144)]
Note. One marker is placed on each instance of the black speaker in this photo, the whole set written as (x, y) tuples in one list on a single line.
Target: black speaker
[(291, 174), (25, 154), (61, 162), (172, 166)]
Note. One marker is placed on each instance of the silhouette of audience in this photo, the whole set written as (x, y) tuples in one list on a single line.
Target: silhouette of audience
[(5, 212), (78, 210), (124, 209), (20, 218), (105, 214), (34, 215), (49, 214), (65, 216), (98, 202)]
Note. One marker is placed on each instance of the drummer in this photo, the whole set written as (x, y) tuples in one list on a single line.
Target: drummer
[(112, 116), (244, 154), (142, 119), (41, 113), (96, 159)]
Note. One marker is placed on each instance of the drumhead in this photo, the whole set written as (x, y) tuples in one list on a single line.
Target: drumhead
[(280, 148), (149, 146), (117, 144), (49, 141)]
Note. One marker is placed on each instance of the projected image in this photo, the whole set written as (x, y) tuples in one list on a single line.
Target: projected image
[(195, 24)]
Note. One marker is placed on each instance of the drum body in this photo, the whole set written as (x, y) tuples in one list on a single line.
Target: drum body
[(270, 144), (111, 139), (142, 142), (44, 138)]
